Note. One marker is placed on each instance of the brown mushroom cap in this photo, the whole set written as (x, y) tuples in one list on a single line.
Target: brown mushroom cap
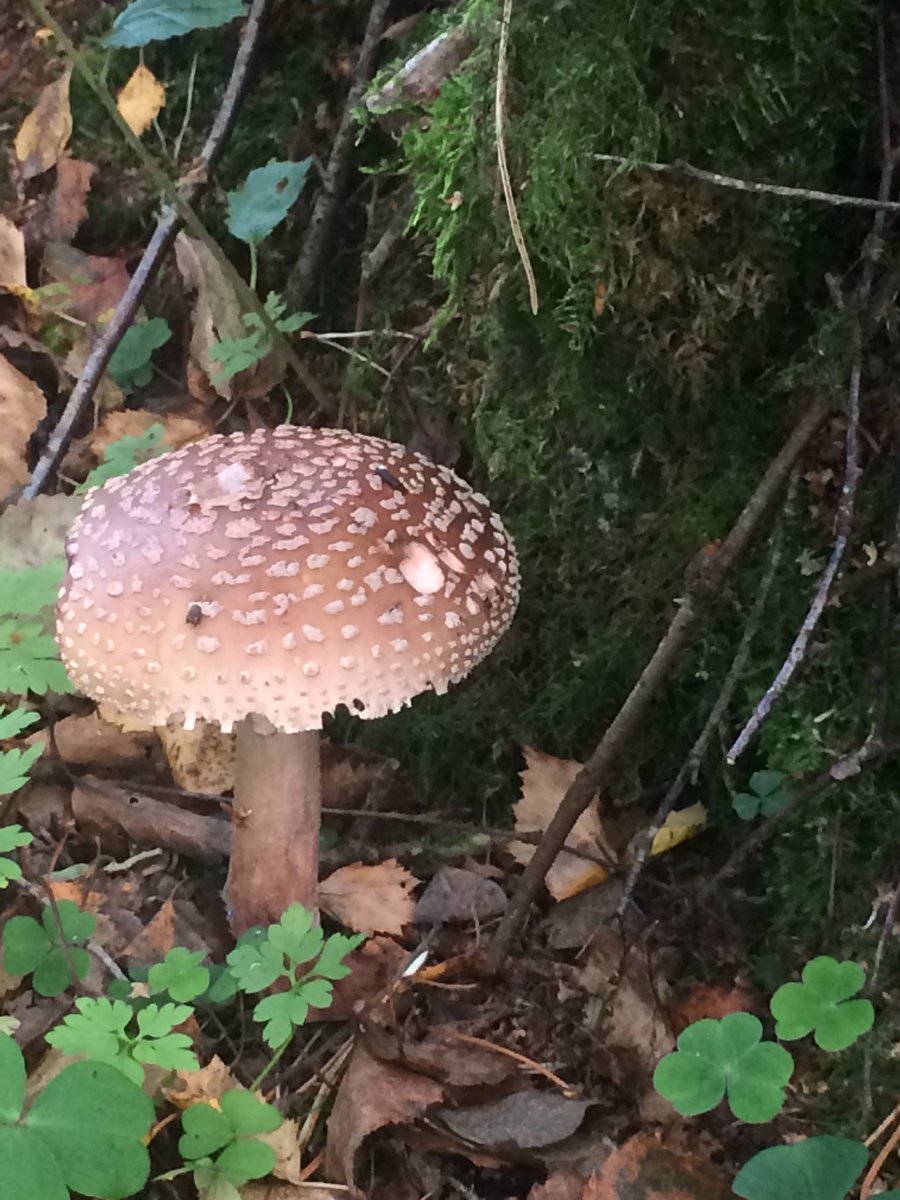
[(283, 573)]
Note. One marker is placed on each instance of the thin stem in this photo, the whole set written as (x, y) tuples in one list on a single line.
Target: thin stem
[(279, 1053), (254, 265)]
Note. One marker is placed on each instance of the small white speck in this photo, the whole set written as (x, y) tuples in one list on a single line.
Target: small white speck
[(312, 633)]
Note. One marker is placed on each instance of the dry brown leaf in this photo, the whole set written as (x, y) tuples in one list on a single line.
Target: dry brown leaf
[(158, 937), (372, 1094), (713, 1000), (72, 889), (561, 1185), (370, 899), (285, 1141), (12, 254), (94, 285), (69, 202), (22, 408), (206, 1084), (89, 739), (545, 781), (291, 1191), (525, 1120), (141, 99), (454, 894), (45, 132), (374, 967), (202, 759), (644, 1167), (180, 429)]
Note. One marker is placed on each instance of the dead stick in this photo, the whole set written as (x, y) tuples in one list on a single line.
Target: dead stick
[(625, 725), (158, 247)]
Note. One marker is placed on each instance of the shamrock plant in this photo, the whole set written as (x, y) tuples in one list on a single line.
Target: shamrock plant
[(726, 1057), (822, 1005), (131, 365), (220, 1143), (767, 796), (49, 948), (114, 1032), (296, 952)]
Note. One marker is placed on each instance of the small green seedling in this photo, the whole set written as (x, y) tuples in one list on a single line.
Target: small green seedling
[(114, 1032), (726, 1057), (766, 797), (84, 1132), (239, 354), (124, 455), (819, 1168), (181, 974), (38, 947), (228, 1132), (157, 20), (295, 951), (822, 1005), (265, 199), (131, 365), (11, 838)]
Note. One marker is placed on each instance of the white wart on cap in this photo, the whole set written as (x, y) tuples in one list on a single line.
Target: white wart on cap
[(282, 573)]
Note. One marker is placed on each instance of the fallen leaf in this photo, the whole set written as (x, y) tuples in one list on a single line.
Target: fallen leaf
[(141, 99), (45, 132), (180, 429), (679, 827), (157, 939), (22, 407), (69, 201), (644, 1168), (714, 1001), (545, 781), (561, 1185), (208, 1083), (93, 285), (457, 895), (285, 1141), (72, 889), (370, 899), (12, 254), (525, 1120), (89, 739), (374, 967), (201, 759), (290, 1191), (371, 1095), (456, 1062), (33, 532)]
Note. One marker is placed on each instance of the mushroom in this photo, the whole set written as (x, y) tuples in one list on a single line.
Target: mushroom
[(260, 580)]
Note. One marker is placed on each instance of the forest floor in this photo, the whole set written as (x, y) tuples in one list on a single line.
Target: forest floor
[(680, 393)]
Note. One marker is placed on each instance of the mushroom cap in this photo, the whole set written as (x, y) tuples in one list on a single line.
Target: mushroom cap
[(282, 573)]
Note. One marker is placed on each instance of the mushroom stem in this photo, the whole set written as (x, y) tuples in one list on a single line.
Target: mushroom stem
[(276, 819)]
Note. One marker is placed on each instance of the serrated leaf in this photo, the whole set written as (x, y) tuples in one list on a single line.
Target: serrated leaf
[(124, 455), (14, 836), (174, 1052), (256, 967), (180, 974), (158, 1020), (819, 1168), (26, 592), (29, 660), (317, 993), (275, 1014), (14, 768), (157, 20), (331, 964), (265, 199)]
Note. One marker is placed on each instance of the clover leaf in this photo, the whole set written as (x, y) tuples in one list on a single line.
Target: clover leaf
[(228, 1131), (818, 1168), (766, 797), (822, 1003), (726, 1057), (30, 945)]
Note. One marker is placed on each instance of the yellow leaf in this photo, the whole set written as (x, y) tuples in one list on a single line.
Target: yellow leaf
[(141, 99), (12, 255), (678, 827), (45, 132), (370, 899), (22, 408), (544, 783)]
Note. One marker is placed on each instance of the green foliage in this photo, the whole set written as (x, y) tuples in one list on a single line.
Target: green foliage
[(113, 1032), (84, 1132), (29, 659), (146, 21), (818, 1168), (37, 946), (124, 455), (766, 797), (15, 764), (281, 953), (131, 364), (27, 592), (239, 354), (11, 838), (180, 974), (265, 199), (822, 1005), (228, 1133), (726, 1057)]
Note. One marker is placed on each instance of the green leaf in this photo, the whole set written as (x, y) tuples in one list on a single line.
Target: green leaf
[(766, 797), (822, 1003), (12, 1080), (53, 975), (265, 199), (25, 944), (12, 837), (223, 986), (317, 993), (276, 1013), (29, 660), (156, 20), (819, 1168), (180, 974), (331, 965), (124, 455), (14, 768), (75, 926), (130, 364), (158, 1020), (206, 1130), (28, 591), (244, 1160), (94, 1121), (296, 936), (32, 947), (715, 1058), (248, 1114), (174, 1052), (256, 967), (28, 1171), (211, 1184)]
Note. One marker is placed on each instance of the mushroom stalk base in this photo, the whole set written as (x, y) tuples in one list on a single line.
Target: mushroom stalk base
[(277, 814)]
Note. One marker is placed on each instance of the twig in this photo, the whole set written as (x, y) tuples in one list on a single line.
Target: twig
[(303, 277), (523, 1060), (625, 725), (881, 1158), (746, 185), (502, 164), (797, 652), (698, 750)]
